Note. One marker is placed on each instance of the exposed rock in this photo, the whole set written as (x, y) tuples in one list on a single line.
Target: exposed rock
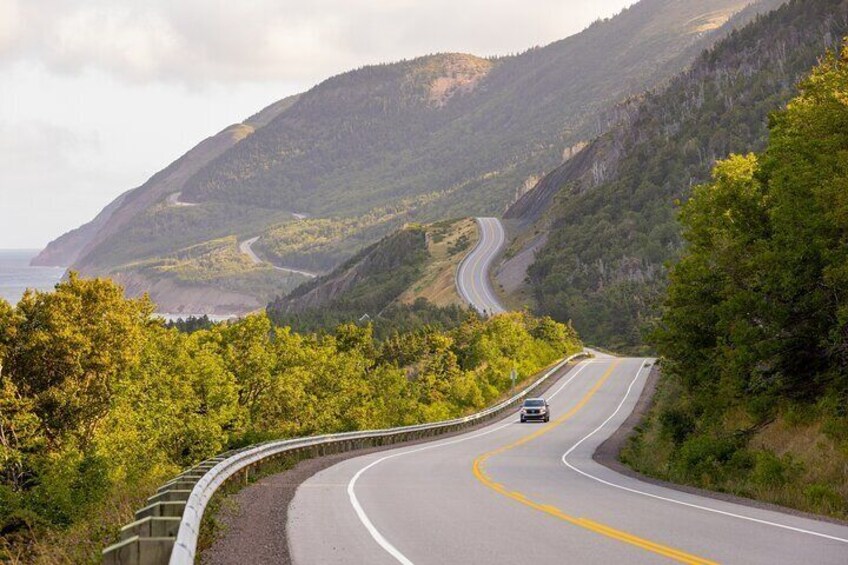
[(178, 298)]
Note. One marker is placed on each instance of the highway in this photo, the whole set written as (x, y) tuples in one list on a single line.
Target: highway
[(526, 493), (472, 277), (521, 493), (246, 247)]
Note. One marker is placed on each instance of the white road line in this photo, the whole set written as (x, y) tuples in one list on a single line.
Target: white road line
[(672, 500), (363, 516)]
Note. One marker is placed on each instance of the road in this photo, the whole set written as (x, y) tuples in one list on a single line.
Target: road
[(524, 493), (246, 247), (472, 277)]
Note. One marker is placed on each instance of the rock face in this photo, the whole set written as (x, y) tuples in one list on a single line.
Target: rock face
[(459, 74)]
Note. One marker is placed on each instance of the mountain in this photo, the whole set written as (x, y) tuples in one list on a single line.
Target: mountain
[(319, 176), (607, 216)]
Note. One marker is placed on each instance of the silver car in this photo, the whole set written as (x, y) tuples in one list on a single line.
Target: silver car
[(535, 409)]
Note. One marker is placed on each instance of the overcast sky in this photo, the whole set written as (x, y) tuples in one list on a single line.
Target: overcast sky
[(97, 95)]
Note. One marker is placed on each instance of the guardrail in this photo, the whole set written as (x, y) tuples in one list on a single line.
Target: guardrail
[(166, 530)]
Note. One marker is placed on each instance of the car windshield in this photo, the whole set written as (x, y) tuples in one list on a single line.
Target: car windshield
[(534, 402)]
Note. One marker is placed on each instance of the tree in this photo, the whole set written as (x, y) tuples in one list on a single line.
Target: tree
[(70, 347)]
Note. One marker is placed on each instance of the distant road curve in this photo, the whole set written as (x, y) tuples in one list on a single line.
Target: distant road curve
[(472, 277), (246, 247)]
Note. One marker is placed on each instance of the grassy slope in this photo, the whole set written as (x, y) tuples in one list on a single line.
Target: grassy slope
[(404, 281), (447, 243), (795, 460), (221, 264)]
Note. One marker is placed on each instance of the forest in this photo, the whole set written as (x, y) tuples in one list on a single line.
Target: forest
[(754, 329), (100, 402), (604, 263)]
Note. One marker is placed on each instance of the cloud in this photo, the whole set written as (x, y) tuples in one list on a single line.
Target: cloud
[(199, 42), (49, 180)]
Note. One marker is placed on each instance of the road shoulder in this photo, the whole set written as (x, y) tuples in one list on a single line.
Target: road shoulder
[(607, 454)]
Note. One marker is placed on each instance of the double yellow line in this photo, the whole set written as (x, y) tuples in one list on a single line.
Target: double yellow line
[(585, 523)]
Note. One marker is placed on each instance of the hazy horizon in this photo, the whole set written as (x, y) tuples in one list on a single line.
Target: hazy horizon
[(86, 116)]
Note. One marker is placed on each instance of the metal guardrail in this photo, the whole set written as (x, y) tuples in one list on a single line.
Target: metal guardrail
[(166, 531)]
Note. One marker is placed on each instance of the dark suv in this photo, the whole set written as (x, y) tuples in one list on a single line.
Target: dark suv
[(535, 409)]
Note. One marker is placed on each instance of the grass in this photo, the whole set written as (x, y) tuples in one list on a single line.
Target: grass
[(447, 242), (221, 264), (798, 460)]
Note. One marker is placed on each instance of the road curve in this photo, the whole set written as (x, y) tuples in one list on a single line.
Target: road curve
[(472, 277), (246, 247), (523, 493)]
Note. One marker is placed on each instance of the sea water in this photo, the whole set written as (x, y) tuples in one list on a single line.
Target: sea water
[(16, 275)]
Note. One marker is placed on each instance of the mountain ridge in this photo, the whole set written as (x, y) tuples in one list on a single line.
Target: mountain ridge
[(602, 265), (445, 135)]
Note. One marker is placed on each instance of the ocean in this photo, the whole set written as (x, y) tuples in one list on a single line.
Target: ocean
[(16, 275)]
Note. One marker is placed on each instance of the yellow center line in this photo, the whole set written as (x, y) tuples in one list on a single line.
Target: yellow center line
[(585, 523)]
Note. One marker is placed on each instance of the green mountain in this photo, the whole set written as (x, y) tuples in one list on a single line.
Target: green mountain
[(321, 175), (753, 397), (607, 217)]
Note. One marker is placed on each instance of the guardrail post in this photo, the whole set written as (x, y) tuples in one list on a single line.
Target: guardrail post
[(158, 509), (139, 551), (152, 527)]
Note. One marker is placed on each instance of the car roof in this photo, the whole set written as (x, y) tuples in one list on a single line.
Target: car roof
[(529, 399)]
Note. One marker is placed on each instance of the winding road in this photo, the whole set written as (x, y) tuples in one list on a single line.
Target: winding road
[(525, 493), (246, 247), (472, 277)]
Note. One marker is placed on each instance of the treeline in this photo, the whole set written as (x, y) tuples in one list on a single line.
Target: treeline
[(100, 403), (754, 330)]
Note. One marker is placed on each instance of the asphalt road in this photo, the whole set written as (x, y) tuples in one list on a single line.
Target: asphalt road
[(525, 493), (246, 247), (472, 277)]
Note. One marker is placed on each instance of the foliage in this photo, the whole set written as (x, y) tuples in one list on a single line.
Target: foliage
[(603, 264), (754, 329), (190, 324), (99, 402)]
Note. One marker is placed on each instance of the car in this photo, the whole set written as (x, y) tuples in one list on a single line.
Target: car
[(535, 409)]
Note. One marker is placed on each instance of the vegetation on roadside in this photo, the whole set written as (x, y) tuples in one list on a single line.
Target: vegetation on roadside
[(100, 402), (754, 330)]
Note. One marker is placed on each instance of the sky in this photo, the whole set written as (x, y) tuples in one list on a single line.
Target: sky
[(98, 95)]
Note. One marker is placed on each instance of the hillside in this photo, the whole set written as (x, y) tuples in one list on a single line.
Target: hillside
[(405, 279), (754, 328), (319, 176), (608, 214)]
